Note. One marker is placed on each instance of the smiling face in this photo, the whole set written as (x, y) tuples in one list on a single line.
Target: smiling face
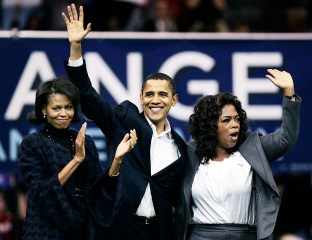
[(59, 111), (157, 99), (228, 127)]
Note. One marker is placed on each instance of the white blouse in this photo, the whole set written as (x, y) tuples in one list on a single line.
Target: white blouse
[(221, 192)]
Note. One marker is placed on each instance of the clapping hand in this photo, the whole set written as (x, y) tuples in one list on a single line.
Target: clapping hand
[(127, 143), (80, 144)]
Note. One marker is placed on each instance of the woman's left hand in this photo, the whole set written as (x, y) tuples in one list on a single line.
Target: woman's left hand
[(80, 144), (283, 80)]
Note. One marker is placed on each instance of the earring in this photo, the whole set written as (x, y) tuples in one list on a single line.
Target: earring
[(44, 116)]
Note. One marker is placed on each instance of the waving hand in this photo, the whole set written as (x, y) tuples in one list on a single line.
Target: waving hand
[(283, 80), (75, 29)]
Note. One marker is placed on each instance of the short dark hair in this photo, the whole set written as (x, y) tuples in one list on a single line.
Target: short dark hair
[(160, 76), (203, 123), (60, 85)]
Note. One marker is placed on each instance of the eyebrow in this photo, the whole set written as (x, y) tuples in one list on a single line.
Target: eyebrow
[(229, 116), (57, 105), (160, 92)]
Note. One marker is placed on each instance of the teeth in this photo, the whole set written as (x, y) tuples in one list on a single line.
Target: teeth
[(156, 109), (234, 136)]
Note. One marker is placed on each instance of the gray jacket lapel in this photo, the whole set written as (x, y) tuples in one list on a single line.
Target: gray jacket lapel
[(252, 151)]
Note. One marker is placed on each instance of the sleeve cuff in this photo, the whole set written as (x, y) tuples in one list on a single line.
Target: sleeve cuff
[(75, 63)]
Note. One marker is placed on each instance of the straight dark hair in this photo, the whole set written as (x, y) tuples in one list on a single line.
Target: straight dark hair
[(59, 85)]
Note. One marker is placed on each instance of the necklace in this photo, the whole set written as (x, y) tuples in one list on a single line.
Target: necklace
[(65, 139)]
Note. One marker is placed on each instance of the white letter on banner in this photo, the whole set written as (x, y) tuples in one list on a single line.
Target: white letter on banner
[(243, 86), (100, 72), (38, 64), (15, 140), (3, 156), (199, 86)]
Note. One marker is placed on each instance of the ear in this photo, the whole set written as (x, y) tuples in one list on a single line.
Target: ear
[(174, 99), (141, 99), (44, 110)]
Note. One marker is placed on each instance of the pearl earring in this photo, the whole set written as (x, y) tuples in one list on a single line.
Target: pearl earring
[(44, 116)]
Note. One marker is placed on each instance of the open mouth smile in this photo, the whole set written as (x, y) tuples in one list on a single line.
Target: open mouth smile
[(155, 109)]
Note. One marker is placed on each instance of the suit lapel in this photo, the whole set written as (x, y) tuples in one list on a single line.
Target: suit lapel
[(191, 170), (251, 150), (146, 135)]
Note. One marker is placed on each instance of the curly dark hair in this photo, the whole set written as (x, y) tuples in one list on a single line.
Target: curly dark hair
[(60, 85), (203, 124)]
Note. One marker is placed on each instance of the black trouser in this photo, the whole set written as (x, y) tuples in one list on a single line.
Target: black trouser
[(143, 229)]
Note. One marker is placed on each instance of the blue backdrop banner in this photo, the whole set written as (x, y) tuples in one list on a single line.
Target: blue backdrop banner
[(199, 63)]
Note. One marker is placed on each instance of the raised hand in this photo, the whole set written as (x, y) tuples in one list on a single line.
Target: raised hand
[(75, 28), (283, 80)]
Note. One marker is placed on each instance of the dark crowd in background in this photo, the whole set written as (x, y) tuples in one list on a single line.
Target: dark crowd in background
[(269, 16), (279, 16)]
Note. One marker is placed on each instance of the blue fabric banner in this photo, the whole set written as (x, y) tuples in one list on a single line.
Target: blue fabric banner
[(199, 63)]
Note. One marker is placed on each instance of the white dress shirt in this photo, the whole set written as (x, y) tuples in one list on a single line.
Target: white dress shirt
[(221, 192), (163, 152)]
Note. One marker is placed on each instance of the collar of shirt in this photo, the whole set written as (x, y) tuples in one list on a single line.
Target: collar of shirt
[(166, 132)]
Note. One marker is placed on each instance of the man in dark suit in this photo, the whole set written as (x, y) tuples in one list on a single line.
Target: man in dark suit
[(145, 187)]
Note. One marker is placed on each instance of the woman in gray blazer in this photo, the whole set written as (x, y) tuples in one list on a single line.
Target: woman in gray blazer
[(229, 191)]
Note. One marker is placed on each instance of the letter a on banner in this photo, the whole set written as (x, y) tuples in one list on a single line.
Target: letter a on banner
[(37, 64)]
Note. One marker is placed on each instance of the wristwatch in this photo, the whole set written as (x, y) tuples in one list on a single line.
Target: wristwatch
[(292, 97)]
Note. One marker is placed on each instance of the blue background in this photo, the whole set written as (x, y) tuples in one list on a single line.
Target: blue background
[(296, 53)]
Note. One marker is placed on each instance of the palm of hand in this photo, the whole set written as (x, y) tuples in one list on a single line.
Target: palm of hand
[(284, 80), (122, 149), (281, 79), (75, 31)]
